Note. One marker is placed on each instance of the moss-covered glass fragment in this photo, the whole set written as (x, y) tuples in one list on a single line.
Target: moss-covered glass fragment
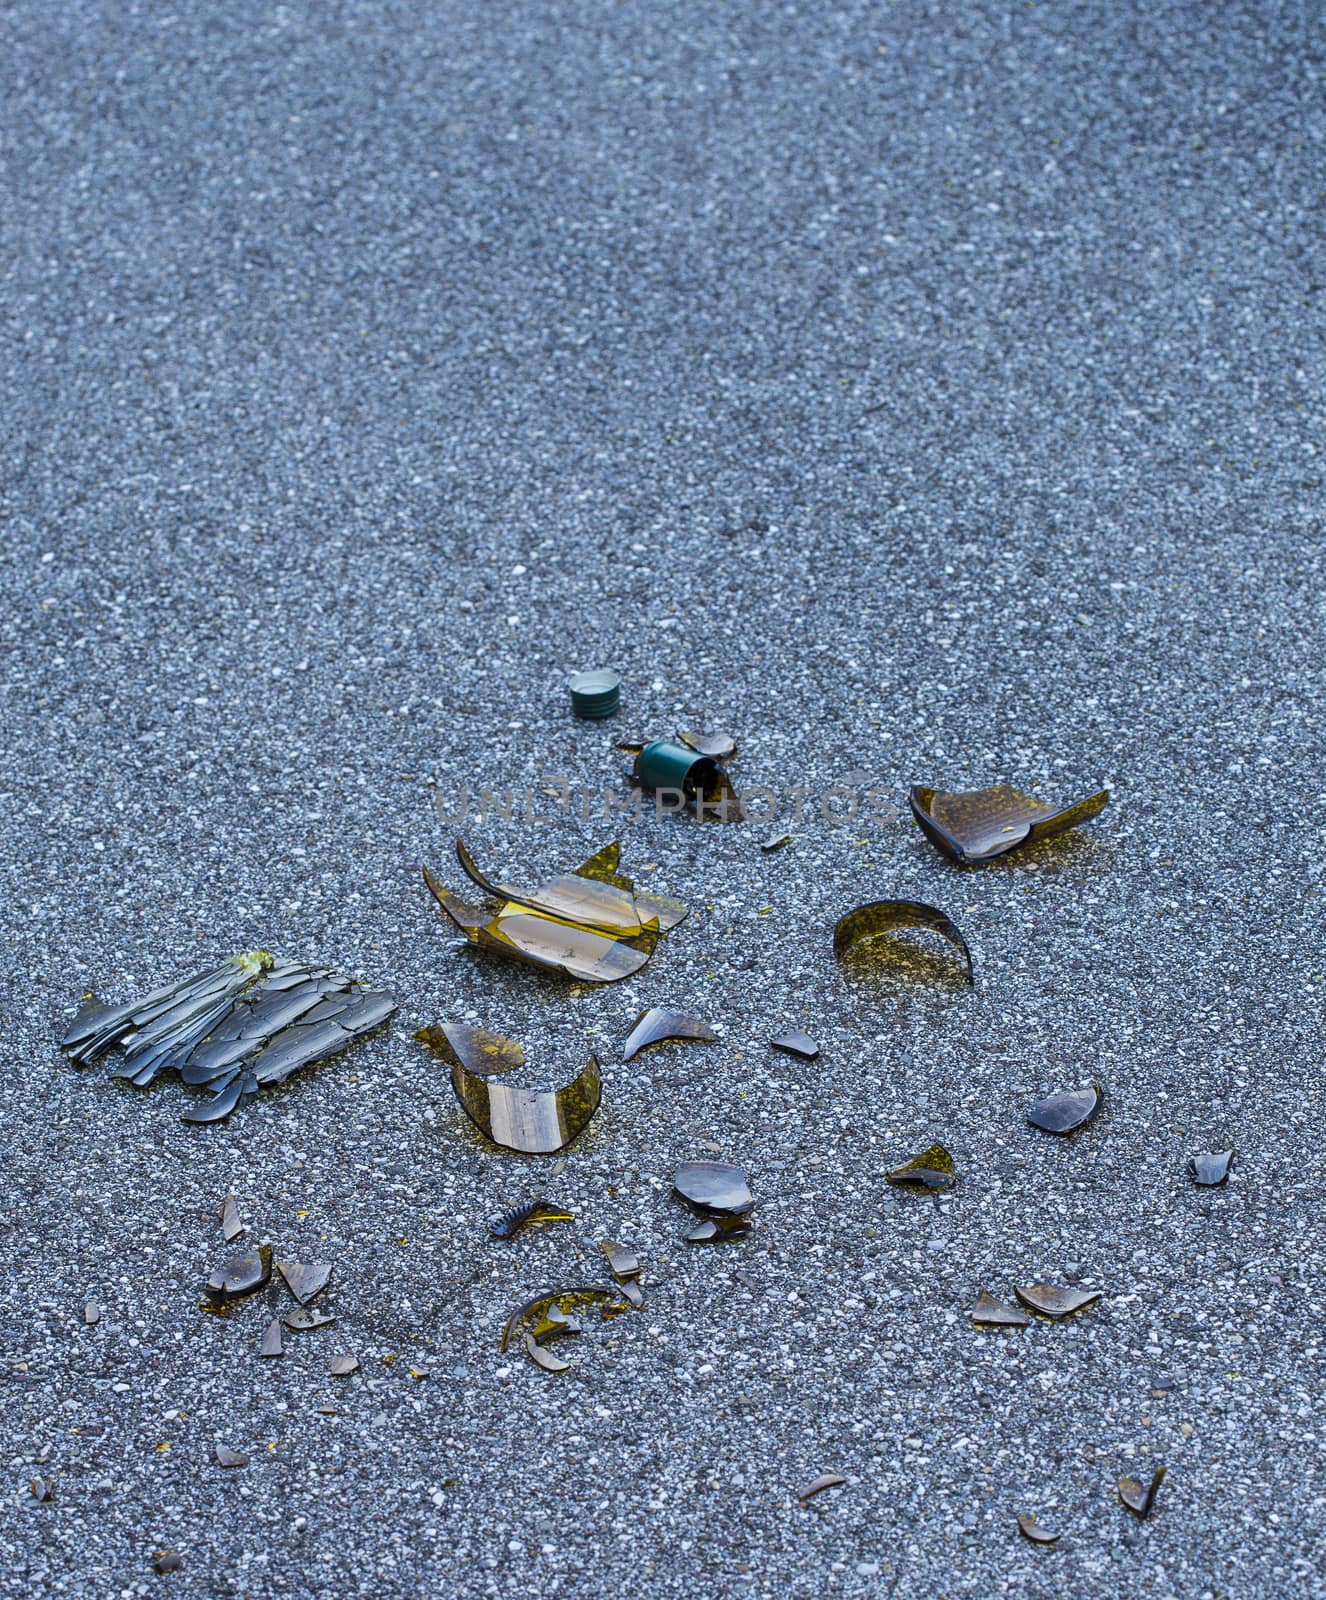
[(975, 825)]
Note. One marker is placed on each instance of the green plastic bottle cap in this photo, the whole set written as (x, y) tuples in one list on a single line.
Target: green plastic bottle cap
[(595, 694)]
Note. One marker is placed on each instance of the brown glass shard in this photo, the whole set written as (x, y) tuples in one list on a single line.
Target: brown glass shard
[(777, 842), (719, 1229), (826, 1480), (622, 1263), (1029, 1528), (975, 825), (1137, 1499), (1051, 1300), (655, 1025), (272, 1344), (796, 1044), (226, 1457), (343, 1366), (42, 1490), (305, 1282), (164, 1561), (509, 1224), (475, 1049), (713, 1186), (531, 1121), (867, 933), (632, 1292), (717, 746), (1211, 1168), (419, 1374), (933, 1169), (1067, 1110), (991, 1313), (554, 1324), (243, 1275), (589, 924), (232, 1224), (541, 1356), (305, 1318), (566, 1301)]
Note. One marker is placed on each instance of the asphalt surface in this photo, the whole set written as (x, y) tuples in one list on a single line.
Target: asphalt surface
[(923, 393)]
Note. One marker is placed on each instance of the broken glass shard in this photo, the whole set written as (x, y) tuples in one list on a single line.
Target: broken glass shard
[(226, 1457), (343, 1366), (622, 1263), (1029, 1528), (42, 1490), (535, 1313), (632, 1292), (232, 1224), (305, 1282), (554, 1324), (531, 1121), (541, 1356), (164, 1561), (796, 1044), (717, 746), (974, 825), (777, 842), (589, 924), (272, 1344), (509, 1224), (1066, 1111), (242, 1275), (712, 1186), (719, 1229), (1137, 1499), (251, 1021), (1050, 1300), (1211, 1168), (475, 1049), (305, 1318), (932, 1169), (992, 1313), (867, 933), (654, 1025), (826, 1480)]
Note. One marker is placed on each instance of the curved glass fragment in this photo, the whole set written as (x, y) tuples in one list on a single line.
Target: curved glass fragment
[(1050, 1300), (991, 1313), (1067, 1110), (655, 1025), (1029, 1528), (933, 1169), (868, 923), (713, 1186), (475, 1049), (975, 825), (1137, 1499), (531, 1121), (1211, 1168)]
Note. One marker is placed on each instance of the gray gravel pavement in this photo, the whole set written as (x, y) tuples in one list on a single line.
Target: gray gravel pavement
[(924, 393)]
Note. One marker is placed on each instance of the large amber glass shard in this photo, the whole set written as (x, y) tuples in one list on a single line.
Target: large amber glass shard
[(622, 1263), (655, 1025), (1210, 1168), (713, 1186), (566, 1301), (242, 1275), (1137, 1499), (541, 1356), (598, 899), (1029, 1528), (868, 925), (531, 1121), (1067, 1110), (509, 1224), (974, 825), (932, 1169), (991, 1313), (475, 1049), (579, 952), (1050, 1300)]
